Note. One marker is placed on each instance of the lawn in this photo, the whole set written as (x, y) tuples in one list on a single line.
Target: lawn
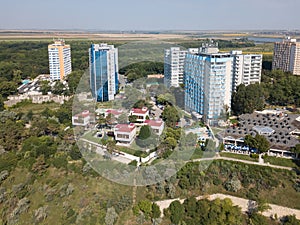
[(90, 136), (132, 151), (282, 161), (237, 156)]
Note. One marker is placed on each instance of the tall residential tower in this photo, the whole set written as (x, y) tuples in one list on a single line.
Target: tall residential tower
[(208, 82), (287, 56), (174, 61), (59, 60), (174, 66), (104, 77), (246, 68)]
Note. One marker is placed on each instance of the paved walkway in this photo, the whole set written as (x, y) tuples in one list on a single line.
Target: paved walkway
[(245, 205)]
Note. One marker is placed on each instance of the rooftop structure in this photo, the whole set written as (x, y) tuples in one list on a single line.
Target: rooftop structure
[(263, 130), (156, 125), (125, 133), (141, 114), (277, 128), (81, 119)]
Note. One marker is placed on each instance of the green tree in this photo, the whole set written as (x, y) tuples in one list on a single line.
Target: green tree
[(155, 211), (247, 99), (45, 87), (170, 116), (146, 207), (1, 103), (145, 132), (132, 118), (250, 141), (263, 144), (59, 88), (73, 80), (176, 212), (7, 88)]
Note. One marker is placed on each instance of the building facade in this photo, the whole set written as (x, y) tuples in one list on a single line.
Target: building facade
[(125, 133), (174, 61), (287, 56), (59, 60), (174, 66), (208, 82), (246, 68), (141, 114), (104, 77)]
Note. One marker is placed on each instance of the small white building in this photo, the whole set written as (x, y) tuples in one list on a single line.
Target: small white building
[(141, 114), (156, 125), (263, 130), (81, 119), (125, 133)]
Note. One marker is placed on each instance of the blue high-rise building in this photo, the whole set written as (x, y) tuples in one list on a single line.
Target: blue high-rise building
[(104, 77), (208, 82)]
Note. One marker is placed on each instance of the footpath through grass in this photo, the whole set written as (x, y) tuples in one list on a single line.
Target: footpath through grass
[(238, 156), (282, 161)]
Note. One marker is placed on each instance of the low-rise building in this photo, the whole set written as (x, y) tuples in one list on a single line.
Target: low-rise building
[(81, 119), (125, 133), (141, 114), (156, 125)]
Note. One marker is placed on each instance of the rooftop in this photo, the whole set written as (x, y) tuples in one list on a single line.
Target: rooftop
[(143, 110), (263, 129), (154, 123), (125, 127), (278, 124)]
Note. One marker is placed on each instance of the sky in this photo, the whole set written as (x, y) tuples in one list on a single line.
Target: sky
[(150, 15)]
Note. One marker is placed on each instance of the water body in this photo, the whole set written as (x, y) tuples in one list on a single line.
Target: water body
[(264, 39)]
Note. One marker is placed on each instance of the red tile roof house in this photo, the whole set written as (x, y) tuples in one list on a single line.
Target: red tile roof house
[(125, 133), (140, 113), (81, 119), (115, 112), (156, 125)]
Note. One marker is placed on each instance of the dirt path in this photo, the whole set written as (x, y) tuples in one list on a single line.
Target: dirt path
[(245, 205)]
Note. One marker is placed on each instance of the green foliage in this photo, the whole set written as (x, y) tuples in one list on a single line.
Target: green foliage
[(142, 69), (45, 87), (132, 118), (142, 103), (7, 88), (146, 207), (1, 103), (283, 88), (145, 132), (247, 99), (155, 211), (233, 184), (176, 212), (75, 153), (73, 80), (11, 133), (204, 212), (259, 142), (37, 146), (170, 116), (263, 144), (59, 89)]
